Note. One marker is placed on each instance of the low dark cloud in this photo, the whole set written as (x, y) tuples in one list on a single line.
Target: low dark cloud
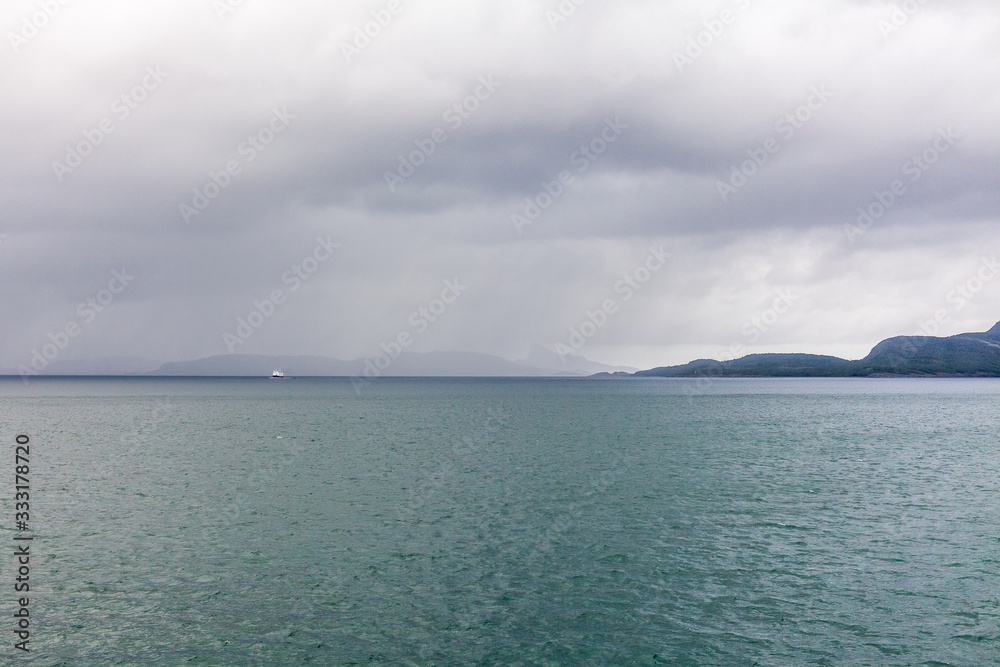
[(823, 107)]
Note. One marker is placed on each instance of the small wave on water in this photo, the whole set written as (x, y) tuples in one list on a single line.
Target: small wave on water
[(515, 522)]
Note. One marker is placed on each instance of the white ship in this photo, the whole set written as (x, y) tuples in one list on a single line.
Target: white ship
[(276, 374)]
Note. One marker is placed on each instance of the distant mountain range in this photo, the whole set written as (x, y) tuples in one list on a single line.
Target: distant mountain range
[(540, 362), (963, 355), (97, 366)]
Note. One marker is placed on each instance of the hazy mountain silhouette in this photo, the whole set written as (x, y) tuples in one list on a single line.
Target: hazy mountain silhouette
[(542, 357), (408, 364)]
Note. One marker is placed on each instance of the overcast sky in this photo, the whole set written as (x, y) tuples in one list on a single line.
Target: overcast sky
[(738, 137)]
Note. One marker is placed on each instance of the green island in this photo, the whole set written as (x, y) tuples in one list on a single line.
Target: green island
[(962, 355)]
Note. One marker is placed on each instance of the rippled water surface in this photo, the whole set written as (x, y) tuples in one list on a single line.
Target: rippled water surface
[(531, 522)]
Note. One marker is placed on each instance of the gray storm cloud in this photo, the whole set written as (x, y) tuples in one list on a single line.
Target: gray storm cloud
[(203, 146)]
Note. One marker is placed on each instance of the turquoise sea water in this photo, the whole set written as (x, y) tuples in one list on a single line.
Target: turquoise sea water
[(515, 522)]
